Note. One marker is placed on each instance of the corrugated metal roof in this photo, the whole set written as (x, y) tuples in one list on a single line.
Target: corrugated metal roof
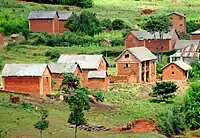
[(97, 74), (64, 15), (42, 15), (196, 32), (23, 70), (62, 67), (85, 61), (178, 13), (183, 43), (144, 35)]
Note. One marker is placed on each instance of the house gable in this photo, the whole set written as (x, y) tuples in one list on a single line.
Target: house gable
[(127, 56)]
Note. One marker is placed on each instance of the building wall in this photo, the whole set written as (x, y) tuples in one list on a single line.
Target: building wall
[(179, 23), (175, 37), (45, 82), (173, 72), (102, 65), (62, 28), (195, 37), (1, 40), (152, 71), (154, 45), (132, 41), (97, 83)]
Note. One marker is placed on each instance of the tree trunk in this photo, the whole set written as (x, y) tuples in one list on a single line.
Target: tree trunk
[(40, 133), (75, 134)]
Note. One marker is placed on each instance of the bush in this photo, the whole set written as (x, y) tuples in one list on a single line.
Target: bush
[(117, 42), (191, 26), (52, 54), (106, 23), (98, 95), (12, 45), (80, 3), (118, 24), (171, 122)]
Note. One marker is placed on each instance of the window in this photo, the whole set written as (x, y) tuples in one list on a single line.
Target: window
[(127, 65), (47, 79), (127, 56), (171, 18), (172, 73), (181, 25), (181, 18), (172, 67)]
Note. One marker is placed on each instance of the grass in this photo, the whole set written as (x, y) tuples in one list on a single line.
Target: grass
[(121, 95)]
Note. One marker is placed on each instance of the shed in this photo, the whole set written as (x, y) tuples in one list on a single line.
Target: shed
[(195, 35), (27, 78), (177, 70), (63, 17), (57, 70)]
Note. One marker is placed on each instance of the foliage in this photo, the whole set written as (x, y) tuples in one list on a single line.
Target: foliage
[(185, 37), (159, 68), (52, 54), (192, 106), (98, 94), (80, 3), (164, 90), (1, 62), (23, 105), (118, 24), (106, 23), (117, 42), (86, 22), (194, 74), (191, 26), (171, 122)]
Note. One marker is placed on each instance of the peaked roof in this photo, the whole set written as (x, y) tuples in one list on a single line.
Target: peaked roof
[(42, 15), (64, 15), (180, 64), (97, 74), (141, 53), (144, 35), (196, 32), (23, 70), (85, 61), (183, 43), (63, 67), (177, 13)]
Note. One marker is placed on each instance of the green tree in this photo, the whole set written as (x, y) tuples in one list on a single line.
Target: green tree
[(164, 90), (191, 26), (118, 24), (42, 124), (78, 102), (106, 23), (157, 25), (194, 73), (86, 22)]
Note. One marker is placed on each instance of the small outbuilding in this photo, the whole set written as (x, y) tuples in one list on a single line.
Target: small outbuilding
[(195, 35), (177, 70), (63, 17), (98, 80), (57, 70), (27, 78)]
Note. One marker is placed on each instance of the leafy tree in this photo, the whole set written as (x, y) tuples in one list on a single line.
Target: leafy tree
[(157, 24), (194, 73), (106, 23), (191, 26), (118, 24), (164, 90), (42, 124), (53, 54), (86, 22), (78, 102)]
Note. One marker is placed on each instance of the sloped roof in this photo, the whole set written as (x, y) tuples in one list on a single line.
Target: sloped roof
[(141, 53), (63, 67), (183, 43), (196, 32), (144, 35), (64, 15), (180, 64), (85, 61), (23, 70), (97, 74), (188, 51), (177, 13), (42, 15)]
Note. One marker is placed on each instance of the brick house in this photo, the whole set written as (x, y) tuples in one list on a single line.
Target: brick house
[(57, 70), (136, 65), (27, 78), (98, 80), (44, 21), (195, 35), (1, 40), (87, 63), (63, 17), (177, 70), (178, 22), (148, 40), (186, 54)]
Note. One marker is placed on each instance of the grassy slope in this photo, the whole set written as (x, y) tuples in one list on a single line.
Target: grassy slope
[(123, 95)]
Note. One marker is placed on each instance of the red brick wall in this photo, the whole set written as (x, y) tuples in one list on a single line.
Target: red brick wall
[(153, 71), (195, 37), (29, 85), (102, 65), (154, 45), (179, 74), (1, 39), (95, 83), (62, 28), (132, 41), (176, 22), (56, 25), (45, 82)]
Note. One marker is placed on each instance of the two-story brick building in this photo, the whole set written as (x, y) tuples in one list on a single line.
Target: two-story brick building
[(137, 65)]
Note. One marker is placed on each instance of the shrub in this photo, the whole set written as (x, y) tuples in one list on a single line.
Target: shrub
[(12, 45), (118, 24), (117, 42), (98, 94), (191, 26), (52, 54), (164, 90), (106, 23), (194, 74), (1, 62)]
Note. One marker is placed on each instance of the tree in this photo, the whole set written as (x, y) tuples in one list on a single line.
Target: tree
[(157, 25), (164, 90), (86, 22), (106, 23), (191, 26), (118, 24), (78, 102), (42, 124), (194, 73)]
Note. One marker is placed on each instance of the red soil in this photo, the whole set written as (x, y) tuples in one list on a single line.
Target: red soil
[(139, 126), (147, 11)]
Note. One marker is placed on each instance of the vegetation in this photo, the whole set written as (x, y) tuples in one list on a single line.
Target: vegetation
[(164, 90), (80, 3), (194, 74), (98, 95)]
